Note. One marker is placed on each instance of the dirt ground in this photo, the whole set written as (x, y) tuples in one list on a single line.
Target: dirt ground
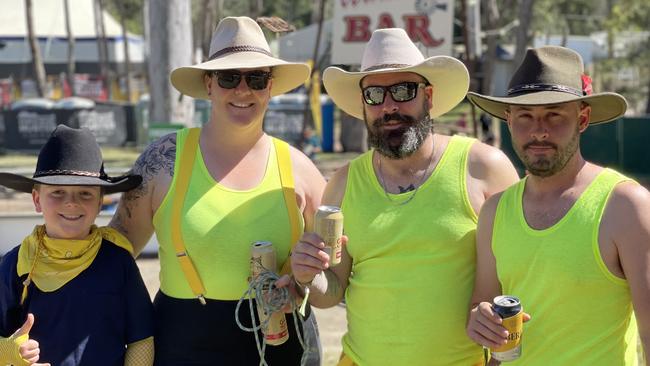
[(331, 322)]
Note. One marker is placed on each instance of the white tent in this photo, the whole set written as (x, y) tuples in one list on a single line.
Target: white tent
[(49, 26), (49, 20)]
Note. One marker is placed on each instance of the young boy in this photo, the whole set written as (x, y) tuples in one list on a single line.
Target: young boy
[(71, 293)]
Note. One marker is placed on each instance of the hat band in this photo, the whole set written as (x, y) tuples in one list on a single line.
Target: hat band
[(66, 172), (544, 87), (240, 49), (385, 66)]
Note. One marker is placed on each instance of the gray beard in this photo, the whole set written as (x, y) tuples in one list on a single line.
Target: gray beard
[(402, 142)]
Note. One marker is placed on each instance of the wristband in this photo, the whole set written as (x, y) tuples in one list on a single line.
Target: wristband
[(9, 349)]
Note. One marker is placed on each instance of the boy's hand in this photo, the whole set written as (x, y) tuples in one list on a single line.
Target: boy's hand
[(28, 348)]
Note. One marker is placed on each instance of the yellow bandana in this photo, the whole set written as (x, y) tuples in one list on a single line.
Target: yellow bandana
[(51, 263)]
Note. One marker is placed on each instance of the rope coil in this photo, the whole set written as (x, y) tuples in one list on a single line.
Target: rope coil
[(271, 299)]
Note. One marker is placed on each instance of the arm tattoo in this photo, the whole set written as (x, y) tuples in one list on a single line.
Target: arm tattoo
[(333, 286), (157, 157), (327, 283)]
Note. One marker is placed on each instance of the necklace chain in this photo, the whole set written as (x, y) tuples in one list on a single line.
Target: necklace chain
[(422, 179)]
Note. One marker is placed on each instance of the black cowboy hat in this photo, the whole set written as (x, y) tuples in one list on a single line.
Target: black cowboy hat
[(70, 157), (552, 75)]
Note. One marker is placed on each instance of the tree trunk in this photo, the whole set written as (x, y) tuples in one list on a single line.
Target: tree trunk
[(524, 15), (308, 121), (315, 12), (491, 23), (102, 50), (71, 44), (256, 8), (170, 46), (127, 58), (37, 61), (647, 106), (207, 24)]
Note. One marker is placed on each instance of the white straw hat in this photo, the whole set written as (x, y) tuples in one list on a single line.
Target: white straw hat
[(391, 50), (238, 43)]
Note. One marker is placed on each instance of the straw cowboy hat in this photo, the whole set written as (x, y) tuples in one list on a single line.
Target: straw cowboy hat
[(70, 157), (238, 43), (552, 75), (391, 50)]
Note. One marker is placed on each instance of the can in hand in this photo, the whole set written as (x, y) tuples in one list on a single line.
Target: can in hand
[(509, 309), (263, 259), (328, 224)]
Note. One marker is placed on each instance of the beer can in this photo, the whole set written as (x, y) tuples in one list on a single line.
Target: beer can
[(328, 224), (509, 309), (263, 259)]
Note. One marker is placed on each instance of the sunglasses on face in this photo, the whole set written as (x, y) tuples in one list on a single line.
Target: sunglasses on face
[(256, 79), (400, 92)]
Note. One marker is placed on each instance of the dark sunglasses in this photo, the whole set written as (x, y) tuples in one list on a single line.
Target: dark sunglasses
[(400, 92), (256, 79)]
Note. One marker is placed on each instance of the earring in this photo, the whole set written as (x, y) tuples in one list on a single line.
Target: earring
[(209, 92)]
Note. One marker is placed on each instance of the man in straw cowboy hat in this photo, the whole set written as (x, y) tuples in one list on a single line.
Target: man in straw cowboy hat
[(71, 293), (572, 239), (216, 190), (410, 207)]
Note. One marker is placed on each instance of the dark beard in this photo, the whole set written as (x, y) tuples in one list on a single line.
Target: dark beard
[(548, 167), (402, 142)]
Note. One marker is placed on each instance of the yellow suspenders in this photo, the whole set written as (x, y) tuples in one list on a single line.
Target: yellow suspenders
[(185, 172)]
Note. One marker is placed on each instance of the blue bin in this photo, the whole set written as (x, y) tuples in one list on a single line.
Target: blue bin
[(327, 110)]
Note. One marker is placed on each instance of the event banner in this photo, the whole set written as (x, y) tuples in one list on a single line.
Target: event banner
[(429, 23)]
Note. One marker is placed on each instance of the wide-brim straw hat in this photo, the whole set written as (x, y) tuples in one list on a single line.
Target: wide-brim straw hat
[(239, 43), (552, 75), (391, 50), (70, 157)]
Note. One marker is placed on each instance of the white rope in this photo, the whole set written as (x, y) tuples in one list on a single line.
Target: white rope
[(271, 299)]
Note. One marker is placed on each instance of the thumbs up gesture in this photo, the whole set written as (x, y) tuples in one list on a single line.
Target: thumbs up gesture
[(28, 349)]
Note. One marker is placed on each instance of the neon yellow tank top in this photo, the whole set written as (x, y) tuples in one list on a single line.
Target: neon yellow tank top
[(581, 313), (413, 266), (219, 224)]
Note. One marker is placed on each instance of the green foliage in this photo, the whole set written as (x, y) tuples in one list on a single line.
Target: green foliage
[(132, 10), (630, 15), (575, 17)]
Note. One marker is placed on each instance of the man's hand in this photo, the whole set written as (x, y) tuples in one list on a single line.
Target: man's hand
[(484, 326), (308, 258)]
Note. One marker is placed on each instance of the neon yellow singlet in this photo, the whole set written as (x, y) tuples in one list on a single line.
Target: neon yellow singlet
[(413, 267), (219, 224), (580, 311)]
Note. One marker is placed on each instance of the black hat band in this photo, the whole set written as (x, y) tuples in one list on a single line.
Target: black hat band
[(66, 172), (544, 87)]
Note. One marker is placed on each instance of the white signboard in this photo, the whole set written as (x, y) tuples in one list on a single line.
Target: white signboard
[(429, 23)]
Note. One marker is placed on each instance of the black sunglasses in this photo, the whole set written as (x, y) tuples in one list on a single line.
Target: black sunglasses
[(256, 79), (400, 92)]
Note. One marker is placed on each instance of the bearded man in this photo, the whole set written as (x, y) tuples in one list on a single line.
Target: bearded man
[(410, 206)]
